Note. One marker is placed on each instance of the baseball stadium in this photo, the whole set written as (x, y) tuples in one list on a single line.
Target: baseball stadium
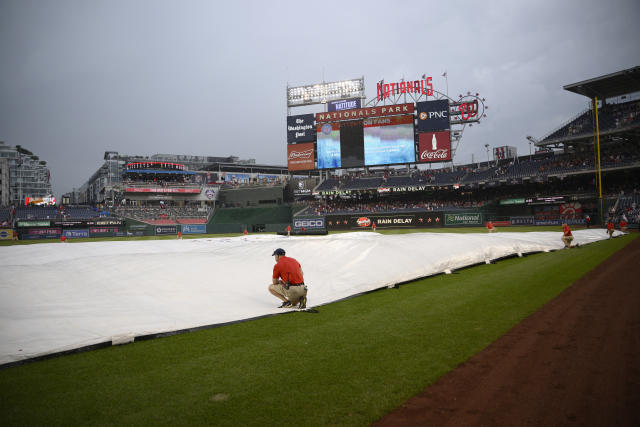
[(438, 293)]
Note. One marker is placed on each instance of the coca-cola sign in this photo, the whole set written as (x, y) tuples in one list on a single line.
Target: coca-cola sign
[(434, 147), (300, 156)]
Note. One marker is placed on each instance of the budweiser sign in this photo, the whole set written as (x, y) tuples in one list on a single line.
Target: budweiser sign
[(305, 154), (434, 147), (300, 156)]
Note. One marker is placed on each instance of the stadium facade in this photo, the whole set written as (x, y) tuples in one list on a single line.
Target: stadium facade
[(179, 179), (23, 175)]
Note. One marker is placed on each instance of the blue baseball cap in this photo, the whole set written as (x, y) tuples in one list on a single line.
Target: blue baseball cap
[(278, 251)]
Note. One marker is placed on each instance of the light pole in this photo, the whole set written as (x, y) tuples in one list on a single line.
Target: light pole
[(487, 147), (532, 140)]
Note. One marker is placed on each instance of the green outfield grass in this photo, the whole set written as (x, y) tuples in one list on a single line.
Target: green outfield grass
[(348, 364)]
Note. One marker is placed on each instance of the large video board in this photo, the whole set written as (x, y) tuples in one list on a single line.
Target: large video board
[(370, 142), (389, 140), (328, 147)]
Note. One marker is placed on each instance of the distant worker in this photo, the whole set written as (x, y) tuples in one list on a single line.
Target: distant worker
[(287, 281), (623, 224), (587, 221), (567, 237), (490, 227), (288, 230), (373, 225), (245, 232), (610, 228), (63, 238), (180, 235)]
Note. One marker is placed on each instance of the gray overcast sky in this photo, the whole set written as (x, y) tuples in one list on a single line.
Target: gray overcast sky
[(80, 77)]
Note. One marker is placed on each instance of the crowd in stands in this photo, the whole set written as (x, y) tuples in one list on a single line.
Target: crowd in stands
[(610, 117), (538, 166), (164, 214), (627, 208), (9, 215), (339, 206)]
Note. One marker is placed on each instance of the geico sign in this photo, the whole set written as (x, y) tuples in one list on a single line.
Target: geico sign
[(308, 223), (301, 154)]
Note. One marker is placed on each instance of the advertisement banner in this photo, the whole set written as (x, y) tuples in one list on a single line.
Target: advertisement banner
[(519, 201), (401, 220), (522, 220), (209, 193), (166, 229), (6, 233), (463, 219), (194, 228), (300, 156), (364, 113), (301, 128), (33, 224), (560, 222), (344, 104), (434, 147), (104, 231), (74, 234), (309, 223), (433, 115), (163, 190), (41, 233)]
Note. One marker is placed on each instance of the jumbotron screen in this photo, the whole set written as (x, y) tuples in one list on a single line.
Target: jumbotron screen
[(389, 140), (370, 142), (328, 146)]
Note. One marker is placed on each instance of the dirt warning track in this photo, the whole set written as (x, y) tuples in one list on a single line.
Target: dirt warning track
[(574, 362)]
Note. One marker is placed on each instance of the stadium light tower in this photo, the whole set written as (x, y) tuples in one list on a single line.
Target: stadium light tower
[(533, 141)]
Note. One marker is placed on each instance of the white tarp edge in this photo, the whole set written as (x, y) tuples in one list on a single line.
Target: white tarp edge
[(56, 297)]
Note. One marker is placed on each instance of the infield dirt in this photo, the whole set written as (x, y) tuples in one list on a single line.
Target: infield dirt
[(576, 361)]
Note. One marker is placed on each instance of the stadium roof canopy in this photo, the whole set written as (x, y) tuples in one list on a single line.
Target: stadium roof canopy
[(609, 85)]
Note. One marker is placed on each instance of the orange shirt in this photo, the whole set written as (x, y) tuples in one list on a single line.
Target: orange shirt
[(566, 230), (610, 226), (288, 269), (489, 225)]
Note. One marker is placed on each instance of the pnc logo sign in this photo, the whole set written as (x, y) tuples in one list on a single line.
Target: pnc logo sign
[(433, 115), (427, 115)]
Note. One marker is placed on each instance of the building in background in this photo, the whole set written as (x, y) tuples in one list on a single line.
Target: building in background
[(4, 182), (174, 178), (28, 175)]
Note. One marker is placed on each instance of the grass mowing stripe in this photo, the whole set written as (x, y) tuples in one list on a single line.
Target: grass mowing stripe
[(348, 365)]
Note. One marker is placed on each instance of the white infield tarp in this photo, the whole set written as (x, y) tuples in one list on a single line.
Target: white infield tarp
[(62, 296)]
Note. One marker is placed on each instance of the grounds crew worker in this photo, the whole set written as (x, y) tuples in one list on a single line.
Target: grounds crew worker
[(567, 237), (288, 281)]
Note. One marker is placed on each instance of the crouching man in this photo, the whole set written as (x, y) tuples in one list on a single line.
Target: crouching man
[(567, 237), (287, 283)]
